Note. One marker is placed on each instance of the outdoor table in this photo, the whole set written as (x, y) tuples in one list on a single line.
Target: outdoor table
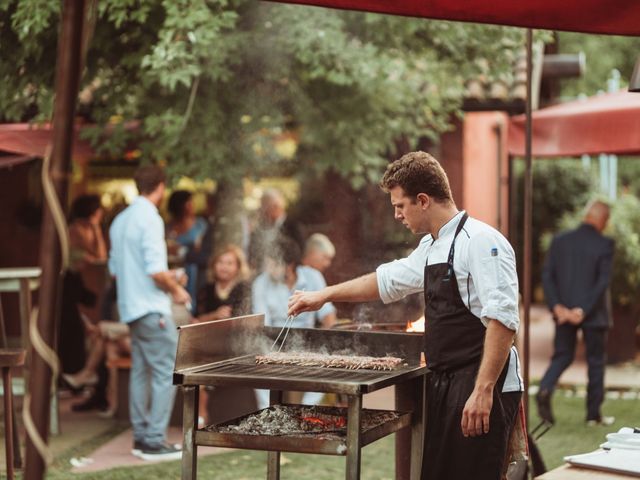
[(567, 472), (22, 280)]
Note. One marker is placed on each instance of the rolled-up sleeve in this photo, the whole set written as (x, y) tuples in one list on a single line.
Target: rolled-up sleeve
[(492, 266), (400, 278)]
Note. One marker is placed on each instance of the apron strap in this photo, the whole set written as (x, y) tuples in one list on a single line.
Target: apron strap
[(453, 243)]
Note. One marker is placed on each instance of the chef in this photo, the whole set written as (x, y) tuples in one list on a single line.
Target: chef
[(466, 270)]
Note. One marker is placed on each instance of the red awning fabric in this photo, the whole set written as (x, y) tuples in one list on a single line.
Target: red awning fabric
[(9, 161), (608, 123), (28, 139), (620, 17)]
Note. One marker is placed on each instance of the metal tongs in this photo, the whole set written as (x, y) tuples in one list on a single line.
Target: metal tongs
[(285, 329)]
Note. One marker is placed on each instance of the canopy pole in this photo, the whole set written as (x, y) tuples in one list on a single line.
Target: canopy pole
[(67, 81), (528, 211)]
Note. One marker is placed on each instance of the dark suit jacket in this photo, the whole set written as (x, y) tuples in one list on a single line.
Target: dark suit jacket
[(577, 273)]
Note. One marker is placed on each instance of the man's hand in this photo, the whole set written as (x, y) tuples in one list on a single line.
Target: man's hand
[(475, 416), (306, 302), (180, 276), (180, 295), (561, 313), (575, 316)]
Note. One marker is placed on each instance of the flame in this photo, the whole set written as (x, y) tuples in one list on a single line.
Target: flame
[(417, 326)]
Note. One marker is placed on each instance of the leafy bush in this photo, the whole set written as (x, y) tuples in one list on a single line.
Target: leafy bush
[(624, 227), (559, 186)]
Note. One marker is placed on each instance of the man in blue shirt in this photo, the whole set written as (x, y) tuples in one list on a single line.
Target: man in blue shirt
[(146, 287)]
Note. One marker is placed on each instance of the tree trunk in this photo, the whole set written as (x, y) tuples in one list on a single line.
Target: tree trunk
[(231, 224)]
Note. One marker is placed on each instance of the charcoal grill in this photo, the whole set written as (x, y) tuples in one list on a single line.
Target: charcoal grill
[(222, 354)]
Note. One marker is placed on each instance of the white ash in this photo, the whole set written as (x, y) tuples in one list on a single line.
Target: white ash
[(311, 359), (293, 420)]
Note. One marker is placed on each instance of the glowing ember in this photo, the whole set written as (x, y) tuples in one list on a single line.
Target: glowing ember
[(335, 422), (417, 326), (301, 421)]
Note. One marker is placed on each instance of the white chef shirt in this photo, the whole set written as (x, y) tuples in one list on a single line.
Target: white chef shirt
[(485, 268)]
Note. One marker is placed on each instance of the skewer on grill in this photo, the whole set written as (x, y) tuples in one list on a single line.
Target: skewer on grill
[(309, 359), (285, 328)]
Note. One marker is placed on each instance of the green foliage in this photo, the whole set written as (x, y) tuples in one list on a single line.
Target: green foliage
[(214, 82), (624, 227), (559, 186), (570, 436)]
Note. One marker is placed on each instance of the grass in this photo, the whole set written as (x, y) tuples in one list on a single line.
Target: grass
[(568, 436)]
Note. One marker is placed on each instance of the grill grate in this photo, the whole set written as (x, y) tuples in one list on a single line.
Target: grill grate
[(299, 374)]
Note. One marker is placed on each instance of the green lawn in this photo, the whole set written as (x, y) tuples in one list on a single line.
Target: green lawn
[(569, 436)]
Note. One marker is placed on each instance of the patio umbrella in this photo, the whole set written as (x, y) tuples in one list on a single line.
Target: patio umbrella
[(607, 123), (618, 17)]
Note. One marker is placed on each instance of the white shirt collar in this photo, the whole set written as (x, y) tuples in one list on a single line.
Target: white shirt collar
[(449, 228), (145, 201)]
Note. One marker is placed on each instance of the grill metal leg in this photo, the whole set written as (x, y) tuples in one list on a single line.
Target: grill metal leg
[(273, 458), (189, 426), (410, 398), (8, 420), (353, 437)]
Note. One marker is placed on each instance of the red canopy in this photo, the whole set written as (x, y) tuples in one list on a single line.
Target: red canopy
[(608, 123), (28, 139), (621, 17)]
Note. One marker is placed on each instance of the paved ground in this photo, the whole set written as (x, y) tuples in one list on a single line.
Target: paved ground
[(79, 428)]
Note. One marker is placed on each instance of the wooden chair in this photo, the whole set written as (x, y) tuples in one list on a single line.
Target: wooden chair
[(9, 357)]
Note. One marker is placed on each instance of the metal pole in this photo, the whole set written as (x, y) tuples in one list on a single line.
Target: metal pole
[(528, 211), (67, 82)]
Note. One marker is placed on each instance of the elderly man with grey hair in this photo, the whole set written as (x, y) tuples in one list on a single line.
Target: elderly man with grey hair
[(273, 224), (318, 252)]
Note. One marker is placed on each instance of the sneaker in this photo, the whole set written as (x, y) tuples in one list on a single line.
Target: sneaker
[(601, 422), (543, 401), (138, 446), (163, 451)]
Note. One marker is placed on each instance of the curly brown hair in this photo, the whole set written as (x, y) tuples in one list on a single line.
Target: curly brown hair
[(418, 172)]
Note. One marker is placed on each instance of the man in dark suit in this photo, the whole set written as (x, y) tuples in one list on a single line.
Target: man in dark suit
[(576, 277)]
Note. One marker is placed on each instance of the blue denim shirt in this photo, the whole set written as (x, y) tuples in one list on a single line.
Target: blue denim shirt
[(138, 250)]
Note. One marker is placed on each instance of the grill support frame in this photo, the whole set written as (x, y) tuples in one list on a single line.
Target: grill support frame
[(196, 365)]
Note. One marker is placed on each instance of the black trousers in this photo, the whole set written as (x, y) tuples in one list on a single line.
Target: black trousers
[(448, 455), (564, 349)]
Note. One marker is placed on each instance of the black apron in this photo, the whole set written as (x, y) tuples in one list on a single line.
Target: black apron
[(454, 340)]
